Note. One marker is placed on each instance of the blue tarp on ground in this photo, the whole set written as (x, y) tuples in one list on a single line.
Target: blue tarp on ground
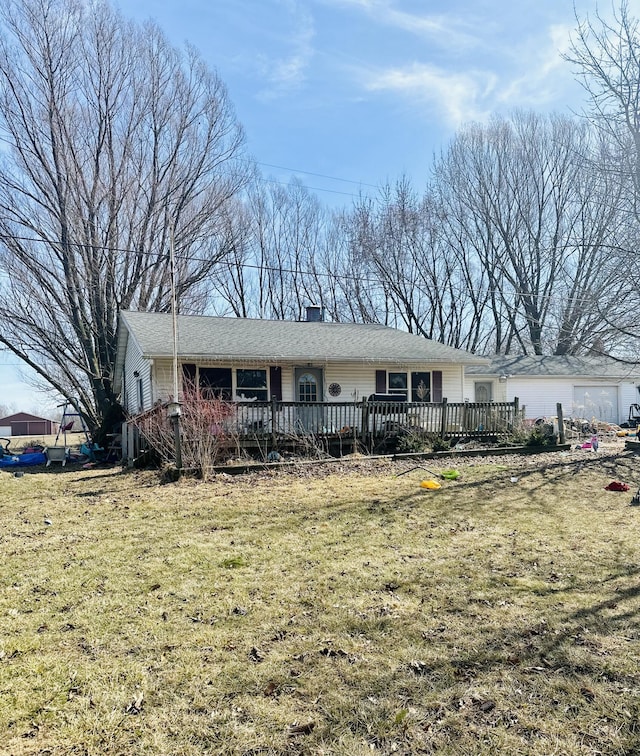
[(23, 460)]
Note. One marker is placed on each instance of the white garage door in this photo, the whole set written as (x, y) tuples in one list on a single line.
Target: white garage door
[(600, 402)]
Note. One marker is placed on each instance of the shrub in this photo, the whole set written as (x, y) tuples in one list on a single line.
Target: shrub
[(519, 435), (416, 441), (542, 435), (205, 431)]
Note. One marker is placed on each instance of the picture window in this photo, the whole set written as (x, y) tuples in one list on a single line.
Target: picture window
[(251, 384)]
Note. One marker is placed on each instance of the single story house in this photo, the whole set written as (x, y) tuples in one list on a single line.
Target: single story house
[(24, 424), (586, 387), (291, 361)]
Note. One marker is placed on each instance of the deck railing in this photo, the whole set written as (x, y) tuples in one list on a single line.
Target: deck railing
[(371, 419), (336, 427)]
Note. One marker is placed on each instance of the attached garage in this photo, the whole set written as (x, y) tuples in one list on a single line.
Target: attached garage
[(586, 387)]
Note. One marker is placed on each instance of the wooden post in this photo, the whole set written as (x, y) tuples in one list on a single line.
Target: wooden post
[(177, 442), (443, 418), (274, 411), (561, 434), (174, 415), (364, 422), (354, 428), (516, 412)]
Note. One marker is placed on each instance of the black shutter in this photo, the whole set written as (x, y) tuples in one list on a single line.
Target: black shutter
[(381, 381), (275, 382), (436, 386), (188, 376)]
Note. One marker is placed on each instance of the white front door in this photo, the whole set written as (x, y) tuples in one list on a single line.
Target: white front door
[(309, 394)]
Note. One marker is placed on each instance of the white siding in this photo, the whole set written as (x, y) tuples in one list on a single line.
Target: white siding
[(135, 362), (356, 381), (288, 393), (564, 391), (539, 395), (163, 379)]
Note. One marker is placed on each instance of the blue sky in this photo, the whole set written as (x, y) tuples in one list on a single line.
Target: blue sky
[(364, 90), (346, 94)]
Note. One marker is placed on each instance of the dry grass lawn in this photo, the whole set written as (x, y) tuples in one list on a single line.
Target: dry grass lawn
[(341, 611)]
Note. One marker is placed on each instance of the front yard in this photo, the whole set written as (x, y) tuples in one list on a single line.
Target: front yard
[(339, 611)]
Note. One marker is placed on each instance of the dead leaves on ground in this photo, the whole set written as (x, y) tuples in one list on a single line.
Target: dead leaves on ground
[(135, 705)]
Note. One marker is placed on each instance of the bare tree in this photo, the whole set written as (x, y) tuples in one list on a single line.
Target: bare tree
[(276, 267), (606, 56), (419, 283), (359, 295), (113, 142), (526, 194)]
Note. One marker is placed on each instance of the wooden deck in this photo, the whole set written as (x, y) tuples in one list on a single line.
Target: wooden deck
[(340, 428)]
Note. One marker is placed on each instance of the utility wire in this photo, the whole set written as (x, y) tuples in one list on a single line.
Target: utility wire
[(318, 175), (270, 268), (314, 188)]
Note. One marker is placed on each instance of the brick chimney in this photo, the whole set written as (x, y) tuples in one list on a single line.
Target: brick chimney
[(315, 314)]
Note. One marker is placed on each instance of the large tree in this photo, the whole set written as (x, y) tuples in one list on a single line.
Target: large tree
[(528, 196), (606, 55), (425, 288), (114, 146)]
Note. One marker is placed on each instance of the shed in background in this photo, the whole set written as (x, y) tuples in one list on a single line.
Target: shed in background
[(24, 424)]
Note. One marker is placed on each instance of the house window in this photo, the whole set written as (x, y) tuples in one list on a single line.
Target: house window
[(417, 386), (215, 383), (420, 387), (398, 383), (251, 384), (307, 388)]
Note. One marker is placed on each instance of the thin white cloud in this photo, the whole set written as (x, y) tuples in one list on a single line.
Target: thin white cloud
[(287, 73), (545, 72), (442, 29), (456, 97), (533, 77)]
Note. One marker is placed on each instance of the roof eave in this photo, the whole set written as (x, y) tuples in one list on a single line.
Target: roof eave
[(300, 359)]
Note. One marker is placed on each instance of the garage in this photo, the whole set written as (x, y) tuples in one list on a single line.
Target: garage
[(24, 424), (599, 401)]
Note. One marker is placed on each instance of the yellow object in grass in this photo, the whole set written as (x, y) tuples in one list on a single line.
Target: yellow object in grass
[(432, 485)]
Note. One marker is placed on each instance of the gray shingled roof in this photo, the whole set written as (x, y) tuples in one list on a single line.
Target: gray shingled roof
[(556, 366), (271, 340)]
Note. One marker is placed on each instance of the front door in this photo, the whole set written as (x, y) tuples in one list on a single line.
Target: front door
[(483, 391), (309, 394)]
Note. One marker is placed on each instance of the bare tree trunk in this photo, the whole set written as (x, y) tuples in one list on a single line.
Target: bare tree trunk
[(114, 139), (529, 197)]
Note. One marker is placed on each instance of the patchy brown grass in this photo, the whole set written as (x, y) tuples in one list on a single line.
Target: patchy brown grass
[(344, 611), (18, 443)]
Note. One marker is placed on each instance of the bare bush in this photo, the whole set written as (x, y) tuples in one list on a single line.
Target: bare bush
[(206, 433)]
